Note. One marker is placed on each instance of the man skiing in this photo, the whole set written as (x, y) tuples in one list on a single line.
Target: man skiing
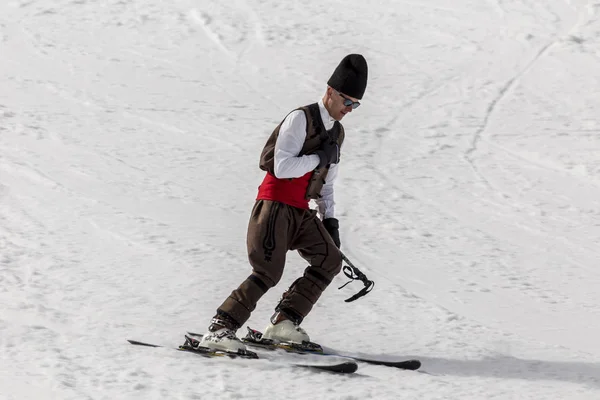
[(301, 162)]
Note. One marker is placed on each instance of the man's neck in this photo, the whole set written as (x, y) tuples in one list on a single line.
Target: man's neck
[(324, 100)]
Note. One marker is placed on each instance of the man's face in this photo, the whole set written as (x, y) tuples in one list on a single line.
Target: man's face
[(339, 104)]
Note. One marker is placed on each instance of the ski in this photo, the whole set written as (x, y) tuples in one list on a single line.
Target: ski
[(254, 339), (191, 345)]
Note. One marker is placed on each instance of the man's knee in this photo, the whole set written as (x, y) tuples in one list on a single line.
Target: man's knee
[(333, 262), (270, 272)]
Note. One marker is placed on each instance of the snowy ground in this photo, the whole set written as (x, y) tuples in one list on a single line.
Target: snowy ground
[(130, 133)]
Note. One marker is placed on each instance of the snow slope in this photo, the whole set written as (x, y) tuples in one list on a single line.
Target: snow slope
[(130, 133)]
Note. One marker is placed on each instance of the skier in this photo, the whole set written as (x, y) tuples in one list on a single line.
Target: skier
[(301, 162)]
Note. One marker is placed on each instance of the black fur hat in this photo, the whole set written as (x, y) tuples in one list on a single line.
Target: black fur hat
[(350, 77)]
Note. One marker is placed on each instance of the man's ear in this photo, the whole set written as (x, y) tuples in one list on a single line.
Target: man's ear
[(329, 91)]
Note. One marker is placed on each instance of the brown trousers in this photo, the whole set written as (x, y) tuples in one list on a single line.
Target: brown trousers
[(274, 229)]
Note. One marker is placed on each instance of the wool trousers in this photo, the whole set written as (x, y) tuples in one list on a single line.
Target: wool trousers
[(274, 229)]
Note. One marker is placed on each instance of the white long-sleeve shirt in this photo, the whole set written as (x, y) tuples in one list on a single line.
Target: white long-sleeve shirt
[(292, 135)]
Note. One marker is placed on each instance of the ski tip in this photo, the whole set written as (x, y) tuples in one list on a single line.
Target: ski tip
[(348, 367), (138, 343), (413, 365)]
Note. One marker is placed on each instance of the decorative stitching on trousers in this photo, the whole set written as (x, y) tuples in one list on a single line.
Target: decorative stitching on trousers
[(269, 242), (326, 254), (319, 276), (258, 282)]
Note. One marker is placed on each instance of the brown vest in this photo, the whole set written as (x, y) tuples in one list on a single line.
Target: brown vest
[(315, 135)]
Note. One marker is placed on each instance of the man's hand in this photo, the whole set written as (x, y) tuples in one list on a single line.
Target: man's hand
[(329, 153), (333, 227)]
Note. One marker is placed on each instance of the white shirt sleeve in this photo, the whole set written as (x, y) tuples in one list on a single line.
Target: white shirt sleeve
[(326, 204), (292, 135)]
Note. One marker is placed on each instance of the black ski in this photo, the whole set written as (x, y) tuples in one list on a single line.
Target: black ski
[(191, 345), (254, 339), (203, 351)]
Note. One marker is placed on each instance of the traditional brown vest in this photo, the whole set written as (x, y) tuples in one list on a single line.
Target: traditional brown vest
[(315, 135)]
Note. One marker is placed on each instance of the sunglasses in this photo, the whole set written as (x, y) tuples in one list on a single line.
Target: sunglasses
[(348, 102)]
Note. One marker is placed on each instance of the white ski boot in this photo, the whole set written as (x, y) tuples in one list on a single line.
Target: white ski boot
[(221, 336), (282, 329)]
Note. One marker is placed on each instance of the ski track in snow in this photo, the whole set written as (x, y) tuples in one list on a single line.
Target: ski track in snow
[(129, 142), (505, 90)]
